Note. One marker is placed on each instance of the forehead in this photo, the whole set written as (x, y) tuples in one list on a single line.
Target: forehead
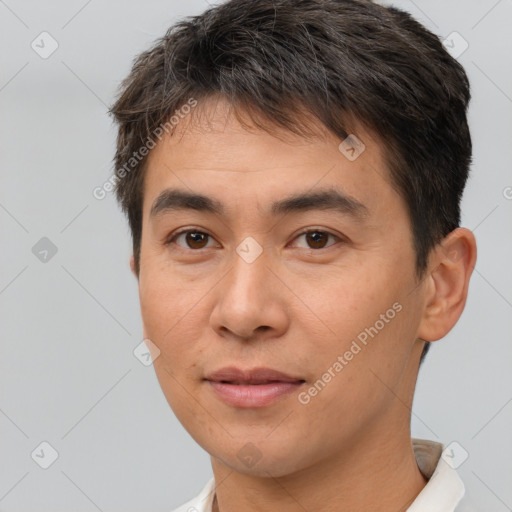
[(211, 152)]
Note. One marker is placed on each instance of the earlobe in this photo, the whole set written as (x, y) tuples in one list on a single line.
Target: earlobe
[(132, 265), (453, 262)]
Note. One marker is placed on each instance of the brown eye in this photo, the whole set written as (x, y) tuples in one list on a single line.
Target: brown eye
[(316, 239), (193, 239), (196, 239)]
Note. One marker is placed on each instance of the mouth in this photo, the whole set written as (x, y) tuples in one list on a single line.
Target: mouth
[(234, 375), (256, 382), (253, 388)]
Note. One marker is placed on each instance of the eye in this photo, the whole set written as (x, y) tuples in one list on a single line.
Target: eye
[(316, 239), (193, 239)]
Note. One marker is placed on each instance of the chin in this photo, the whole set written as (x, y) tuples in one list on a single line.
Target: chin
[(261, 458)]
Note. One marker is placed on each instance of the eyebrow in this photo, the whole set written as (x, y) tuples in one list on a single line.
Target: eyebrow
[(325, 199)]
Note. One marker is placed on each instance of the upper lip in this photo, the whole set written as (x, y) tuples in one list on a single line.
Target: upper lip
[(250, 376)]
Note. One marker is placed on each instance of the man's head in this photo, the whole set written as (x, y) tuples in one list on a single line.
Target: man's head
[(247, 107), (338, 61)]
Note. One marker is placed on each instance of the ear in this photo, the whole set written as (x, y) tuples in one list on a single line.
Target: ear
[(453, 261), (132, 266)]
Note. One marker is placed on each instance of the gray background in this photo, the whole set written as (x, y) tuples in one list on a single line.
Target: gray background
[(70, 324)]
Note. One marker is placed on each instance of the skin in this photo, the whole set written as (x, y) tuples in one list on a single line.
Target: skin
[(294, 309)]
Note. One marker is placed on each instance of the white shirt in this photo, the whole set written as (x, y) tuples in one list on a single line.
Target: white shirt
[(443, 493)]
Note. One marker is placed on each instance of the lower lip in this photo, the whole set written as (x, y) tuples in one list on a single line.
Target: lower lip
[(253, 395)]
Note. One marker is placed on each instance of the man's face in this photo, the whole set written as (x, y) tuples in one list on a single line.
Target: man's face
[(337, 308)]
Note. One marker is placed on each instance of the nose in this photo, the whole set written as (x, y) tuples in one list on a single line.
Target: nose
[(250, 301)]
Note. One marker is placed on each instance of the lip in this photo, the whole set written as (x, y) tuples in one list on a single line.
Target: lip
[(250, 376), (257, 387)]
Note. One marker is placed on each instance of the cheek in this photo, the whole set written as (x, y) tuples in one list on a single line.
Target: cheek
[(174, 320), (173, 316), (341, 305), (361, 325)]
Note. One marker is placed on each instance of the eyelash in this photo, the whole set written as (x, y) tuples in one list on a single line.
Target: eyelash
[(175, 235)]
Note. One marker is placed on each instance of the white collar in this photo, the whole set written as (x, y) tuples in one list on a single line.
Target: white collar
[(444, 488)]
